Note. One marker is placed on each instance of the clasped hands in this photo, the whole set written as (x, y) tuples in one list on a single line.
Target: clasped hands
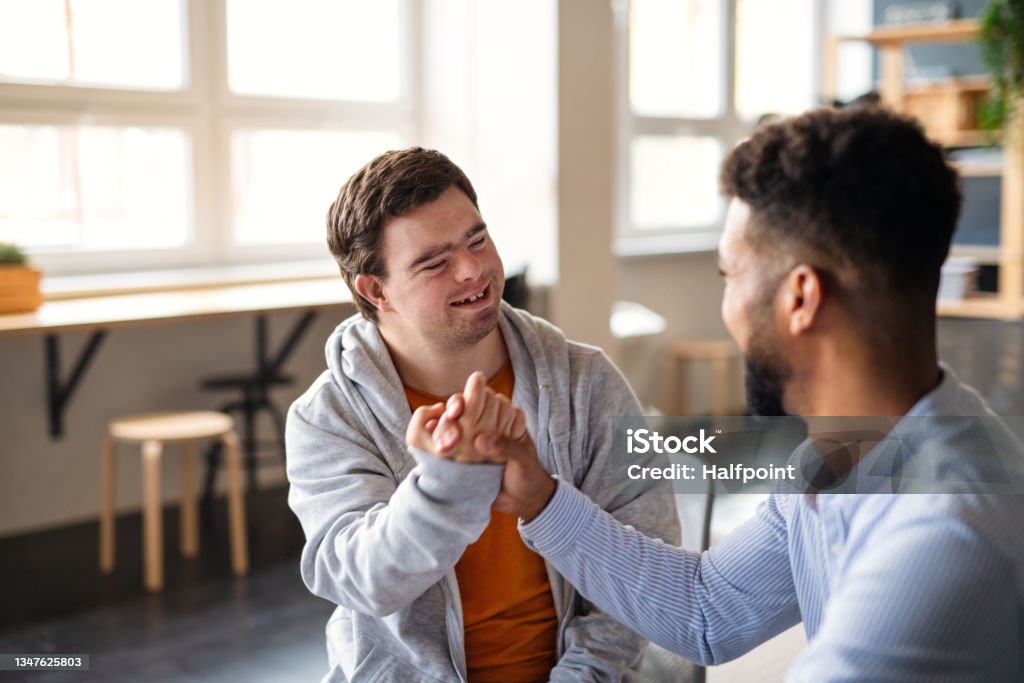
[(481, 426)]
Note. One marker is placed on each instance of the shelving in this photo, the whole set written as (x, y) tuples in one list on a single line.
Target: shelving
[(982, 254), (946, 31), (948, 109), (979, 170)]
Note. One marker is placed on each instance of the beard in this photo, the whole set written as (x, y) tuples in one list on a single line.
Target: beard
[(765, 377)]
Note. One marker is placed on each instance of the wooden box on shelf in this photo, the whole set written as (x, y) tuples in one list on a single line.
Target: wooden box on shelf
[(948, 109), (19, 289)]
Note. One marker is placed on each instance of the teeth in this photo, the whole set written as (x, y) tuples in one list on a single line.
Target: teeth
[(472, 298)]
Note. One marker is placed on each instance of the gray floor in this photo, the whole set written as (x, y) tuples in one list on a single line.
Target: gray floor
[(988, 355), (266, 628)]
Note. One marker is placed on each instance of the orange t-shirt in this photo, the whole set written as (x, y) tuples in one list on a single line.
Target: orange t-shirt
[(507, 608)]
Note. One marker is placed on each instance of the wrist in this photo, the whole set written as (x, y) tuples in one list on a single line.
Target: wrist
[(537, 504)]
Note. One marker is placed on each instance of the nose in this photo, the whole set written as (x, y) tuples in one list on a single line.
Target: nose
[(467, 266)]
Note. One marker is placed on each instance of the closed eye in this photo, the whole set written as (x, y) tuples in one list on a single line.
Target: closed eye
[(435, 267), (478, 243)]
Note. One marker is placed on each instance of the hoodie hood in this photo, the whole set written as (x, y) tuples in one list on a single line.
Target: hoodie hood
[(360, 364)]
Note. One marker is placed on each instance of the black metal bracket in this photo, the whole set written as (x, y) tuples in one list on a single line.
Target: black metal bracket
[(268, 367), (58, 393)]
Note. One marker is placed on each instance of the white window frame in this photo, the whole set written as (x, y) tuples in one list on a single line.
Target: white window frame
[(209, 113), (728, 128)]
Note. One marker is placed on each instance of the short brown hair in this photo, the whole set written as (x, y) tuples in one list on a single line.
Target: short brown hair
[(861, 187), (389, 186)]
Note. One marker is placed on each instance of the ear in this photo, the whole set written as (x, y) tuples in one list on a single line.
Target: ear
[(371, 288), (803, 292)]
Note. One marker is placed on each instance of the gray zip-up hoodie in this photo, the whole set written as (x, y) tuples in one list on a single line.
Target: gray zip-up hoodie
[(384, 528)]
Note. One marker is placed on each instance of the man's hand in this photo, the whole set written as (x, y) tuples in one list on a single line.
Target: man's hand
[(480, 425), (526, 487), (448, 431), (422, 425)]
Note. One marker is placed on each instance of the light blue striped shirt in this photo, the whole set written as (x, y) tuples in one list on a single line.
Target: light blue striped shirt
[(890, 587)]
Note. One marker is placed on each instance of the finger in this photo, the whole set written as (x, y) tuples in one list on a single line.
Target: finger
[(490, 447), (502, 448), (492, 409), (475, 397), (431, 425), (518, 429), (455, 405), (417, 429), (447, 434), (491, 444), (506, 417)]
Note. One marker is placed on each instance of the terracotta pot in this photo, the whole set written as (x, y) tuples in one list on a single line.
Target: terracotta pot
[(19, 289)]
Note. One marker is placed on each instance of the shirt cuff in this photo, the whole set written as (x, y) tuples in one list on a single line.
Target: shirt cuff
[(448, 481), (557, 527)]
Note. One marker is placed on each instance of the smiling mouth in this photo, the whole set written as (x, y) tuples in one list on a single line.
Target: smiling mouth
[(476, 297)]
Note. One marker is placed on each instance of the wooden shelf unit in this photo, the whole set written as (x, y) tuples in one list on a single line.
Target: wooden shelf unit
[(982, 254), (958, 30), (956, 96)]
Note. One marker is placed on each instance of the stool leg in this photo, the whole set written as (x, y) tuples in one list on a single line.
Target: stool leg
[(152, 527), (108, 479), (236, 506), (189, 506)]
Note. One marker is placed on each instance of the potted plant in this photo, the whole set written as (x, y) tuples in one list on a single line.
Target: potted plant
[(1002, 49), (19, 284)]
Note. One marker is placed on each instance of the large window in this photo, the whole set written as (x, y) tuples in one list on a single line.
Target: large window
[(185, 132), (697, 76)]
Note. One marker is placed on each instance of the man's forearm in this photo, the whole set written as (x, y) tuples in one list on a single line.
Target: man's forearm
[(674, 597), (382, 558)]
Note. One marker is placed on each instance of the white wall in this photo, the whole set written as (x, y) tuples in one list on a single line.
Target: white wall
[(685, 288), (46, 483), (587, 277)]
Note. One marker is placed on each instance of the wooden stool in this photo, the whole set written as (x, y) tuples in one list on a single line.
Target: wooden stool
[(153, 431), (676, 384)]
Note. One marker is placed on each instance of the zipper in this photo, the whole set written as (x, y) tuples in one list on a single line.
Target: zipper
[(453, 621)]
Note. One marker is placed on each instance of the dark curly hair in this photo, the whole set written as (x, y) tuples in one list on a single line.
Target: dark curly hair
[(391, 185), (860, 191)]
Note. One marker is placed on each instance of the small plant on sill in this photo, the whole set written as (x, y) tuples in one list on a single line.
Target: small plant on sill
[(19, 283), (12, 255), (1001, 39)]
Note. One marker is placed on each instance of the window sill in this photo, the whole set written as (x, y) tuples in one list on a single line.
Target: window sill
[(78, 286), (659, 245)]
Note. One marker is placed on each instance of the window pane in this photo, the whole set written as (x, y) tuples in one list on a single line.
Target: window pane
[(33, 40), (284, 180), (675, 58), (94, 187), (674, 182), (761, 57), (113, 43), (853, 66), (514, 151), (321, 49)]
